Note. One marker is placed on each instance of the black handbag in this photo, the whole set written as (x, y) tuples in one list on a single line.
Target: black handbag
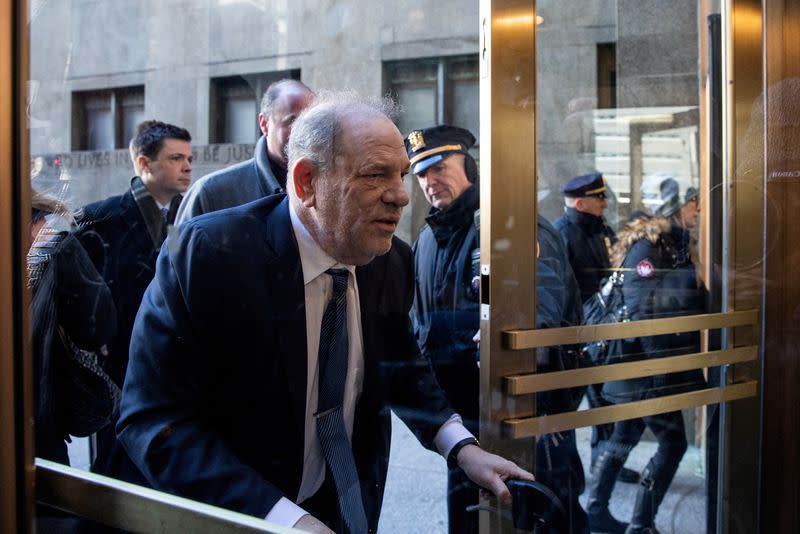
[(607, 306), (88, 398)]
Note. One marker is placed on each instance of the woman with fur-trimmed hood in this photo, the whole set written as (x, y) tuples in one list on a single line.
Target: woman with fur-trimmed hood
[(655, 256)]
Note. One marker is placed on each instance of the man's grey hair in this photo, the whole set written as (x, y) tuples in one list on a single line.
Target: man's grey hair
[(276, 89), (316, 132), (570, 201)]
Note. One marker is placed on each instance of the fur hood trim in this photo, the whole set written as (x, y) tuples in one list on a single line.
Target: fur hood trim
[(636, 230)]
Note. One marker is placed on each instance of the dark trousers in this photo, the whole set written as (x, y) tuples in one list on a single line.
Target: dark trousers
[(461, 494), (668, 429), (600, 433), (559, 467), (657, 476)]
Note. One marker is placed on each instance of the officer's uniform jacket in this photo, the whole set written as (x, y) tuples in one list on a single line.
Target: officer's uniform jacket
[(587, 239), (446, 308)]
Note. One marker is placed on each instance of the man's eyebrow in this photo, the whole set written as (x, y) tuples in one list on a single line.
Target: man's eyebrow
[(373, 166)]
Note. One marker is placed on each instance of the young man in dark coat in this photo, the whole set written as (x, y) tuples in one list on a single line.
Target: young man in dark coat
[(660, 280), (122, 235), (446, 310)]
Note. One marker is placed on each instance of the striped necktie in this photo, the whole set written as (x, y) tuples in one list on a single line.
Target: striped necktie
[(336, 447)]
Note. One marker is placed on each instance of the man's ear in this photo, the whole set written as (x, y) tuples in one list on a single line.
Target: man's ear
[(263, 123), (142, 164), (303, 174), (579, 204)]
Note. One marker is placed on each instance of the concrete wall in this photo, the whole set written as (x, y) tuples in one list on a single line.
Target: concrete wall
[(174, 47)]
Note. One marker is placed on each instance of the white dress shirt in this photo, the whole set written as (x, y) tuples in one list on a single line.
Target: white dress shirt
[(318, 291)]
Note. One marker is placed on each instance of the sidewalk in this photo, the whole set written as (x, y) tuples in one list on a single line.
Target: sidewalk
[(416, 486)]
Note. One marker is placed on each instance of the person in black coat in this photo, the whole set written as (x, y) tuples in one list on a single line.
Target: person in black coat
[(660, 280), (446, 314), (122, 235), (587, 237), (68, 293), (588, 241)]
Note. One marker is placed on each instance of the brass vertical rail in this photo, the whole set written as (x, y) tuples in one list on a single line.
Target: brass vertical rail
[(507, 216), (16, 436)]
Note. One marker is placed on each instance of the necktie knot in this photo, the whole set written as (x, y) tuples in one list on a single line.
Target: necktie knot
[(339, 277), (165, 213)]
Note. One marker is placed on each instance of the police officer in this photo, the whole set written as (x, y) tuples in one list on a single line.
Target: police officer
[(588, 240), (446, 311), (586, 235), (659, 281), (446, 308)]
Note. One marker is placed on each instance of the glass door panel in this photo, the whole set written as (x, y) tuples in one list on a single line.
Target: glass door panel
[(619, 371)]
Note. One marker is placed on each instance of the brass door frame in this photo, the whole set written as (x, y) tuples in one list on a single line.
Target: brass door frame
[(507, 133), (16, 436)]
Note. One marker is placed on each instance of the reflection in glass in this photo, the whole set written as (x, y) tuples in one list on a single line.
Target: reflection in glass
[(619, 170), (72, 315)]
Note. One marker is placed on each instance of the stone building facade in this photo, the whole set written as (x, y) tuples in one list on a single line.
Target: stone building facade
[(98, 67)]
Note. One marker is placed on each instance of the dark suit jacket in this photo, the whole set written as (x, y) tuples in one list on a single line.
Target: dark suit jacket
[(213, 406), (232, 186)]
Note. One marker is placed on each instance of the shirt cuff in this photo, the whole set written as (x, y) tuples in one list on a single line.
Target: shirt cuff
[(449, 434), (285, 513)]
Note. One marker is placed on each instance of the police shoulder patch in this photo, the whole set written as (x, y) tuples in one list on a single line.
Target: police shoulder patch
[(645, 268)]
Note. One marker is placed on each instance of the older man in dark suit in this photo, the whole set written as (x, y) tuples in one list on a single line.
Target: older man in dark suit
[(122, 235), (276, 335)]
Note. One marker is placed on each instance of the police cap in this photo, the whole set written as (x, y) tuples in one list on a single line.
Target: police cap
[(587, 185), (429, 146)]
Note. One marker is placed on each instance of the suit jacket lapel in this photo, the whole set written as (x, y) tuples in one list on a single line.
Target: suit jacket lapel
[(370, 281), (137, 228), (287, 304)]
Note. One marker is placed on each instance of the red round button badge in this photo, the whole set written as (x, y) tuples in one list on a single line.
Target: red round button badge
[(645, 269)]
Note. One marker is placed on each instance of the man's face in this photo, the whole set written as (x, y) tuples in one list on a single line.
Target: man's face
[(359, 202), (591, 205), (443, 182), (278, 126), (689, 213), (170, 172)]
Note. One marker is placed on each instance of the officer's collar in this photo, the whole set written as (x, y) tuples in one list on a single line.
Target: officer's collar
[(459, 213), (583, 218)]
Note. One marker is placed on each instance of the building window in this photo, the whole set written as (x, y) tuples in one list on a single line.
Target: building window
[(607, 75), (436, 91), (104, 119), (235, 102)]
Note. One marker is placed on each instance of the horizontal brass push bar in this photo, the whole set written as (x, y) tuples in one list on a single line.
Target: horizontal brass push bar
[(546, 424), (546, 337), (536, 382), (135, 508)]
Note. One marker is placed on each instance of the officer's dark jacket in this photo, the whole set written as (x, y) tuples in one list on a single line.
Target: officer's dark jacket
[(446, 308), (557, 305), (585, 238), (660, 281)]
